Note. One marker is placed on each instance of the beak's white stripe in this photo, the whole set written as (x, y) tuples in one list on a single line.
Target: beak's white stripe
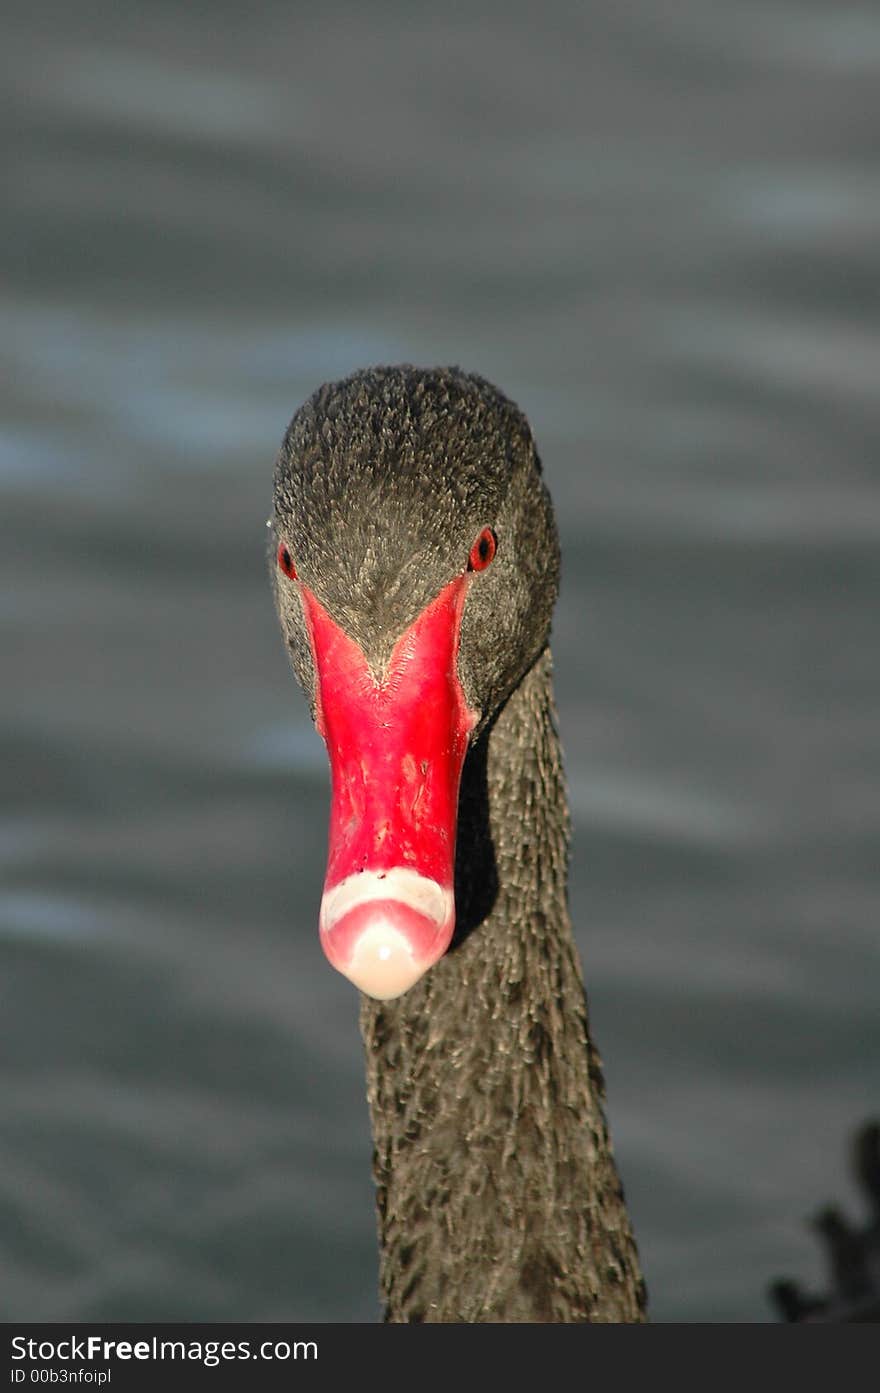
[(399, 883)]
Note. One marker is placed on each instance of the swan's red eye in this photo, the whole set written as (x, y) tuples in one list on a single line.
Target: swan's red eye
[(483, 550), (285, 561)]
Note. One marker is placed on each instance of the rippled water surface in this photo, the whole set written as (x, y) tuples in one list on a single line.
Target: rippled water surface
[(656, 227)]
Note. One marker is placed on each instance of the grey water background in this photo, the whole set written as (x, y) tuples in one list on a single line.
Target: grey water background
[(657, 228)]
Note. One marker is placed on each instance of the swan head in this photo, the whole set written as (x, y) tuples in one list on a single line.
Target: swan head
[(415, 566)]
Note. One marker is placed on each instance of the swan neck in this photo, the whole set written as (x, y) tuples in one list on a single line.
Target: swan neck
[(498, 1196)]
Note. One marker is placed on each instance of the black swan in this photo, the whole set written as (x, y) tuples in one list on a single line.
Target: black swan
[(851, 1251), (415, 564)]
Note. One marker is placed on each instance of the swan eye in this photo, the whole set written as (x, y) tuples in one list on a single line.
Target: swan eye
[(285, 561), (483, 550)]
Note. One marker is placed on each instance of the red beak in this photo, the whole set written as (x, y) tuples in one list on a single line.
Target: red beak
[(396, 748)]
